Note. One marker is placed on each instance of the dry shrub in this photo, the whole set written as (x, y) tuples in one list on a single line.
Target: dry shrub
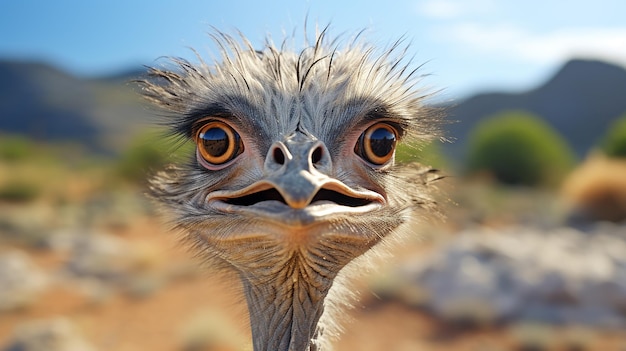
[(597, 189)]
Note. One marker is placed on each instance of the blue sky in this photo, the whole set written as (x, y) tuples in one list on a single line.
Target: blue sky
[(467, 45)]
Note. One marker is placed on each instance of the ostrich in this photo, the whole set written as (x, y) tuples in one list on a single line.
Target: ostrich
[(293, 184)]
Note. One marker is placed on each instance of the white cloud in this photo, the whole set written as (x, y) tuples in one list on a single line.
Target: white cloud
[(554, 46), (450, 9), (440, 9)]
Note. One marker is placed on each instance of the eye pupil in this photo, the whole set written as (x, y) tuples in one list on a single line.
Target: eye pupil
[(382, 142), (377, 144), (215, 142), (218, 143)]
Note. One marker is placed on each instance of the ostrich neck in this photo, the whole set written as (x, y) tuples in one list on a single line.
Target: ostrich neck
[(286, 301), (286, 280), (284, 314)]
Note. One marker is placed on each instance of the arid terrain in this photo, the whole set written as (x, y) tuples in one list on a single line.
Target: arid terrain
[(118, 280)]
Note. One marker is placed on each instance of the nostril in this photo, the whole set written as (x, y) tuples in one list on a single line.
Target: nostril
[(279, 156), (317, 155)]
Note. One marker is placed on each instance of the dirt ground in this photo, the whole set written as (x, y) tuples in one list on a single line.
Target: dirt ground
[(204, 312)]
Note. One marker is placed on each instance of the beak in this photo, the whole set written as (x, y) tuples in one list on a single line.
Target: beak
[(297, 175)]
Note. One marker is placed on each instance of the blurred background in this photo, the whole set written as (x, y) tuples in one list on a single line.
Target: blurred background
[(532, 255)]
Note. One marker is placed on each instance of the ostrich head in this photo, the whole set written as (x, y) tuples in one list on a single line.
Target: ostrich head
[(293, 178)]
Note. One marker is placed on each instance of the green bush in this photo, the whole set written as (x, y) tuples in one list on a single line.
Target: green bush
[(518, 148), (15, 148), (614, 143), (428, 154), (18, 191), (149, 152)]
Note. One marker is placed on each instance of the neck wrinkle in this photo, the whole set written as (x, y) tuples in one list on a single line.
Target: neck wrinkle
[(286, 307)]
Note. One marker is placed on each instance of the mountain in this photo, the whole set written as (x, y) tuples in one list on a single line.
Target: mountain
[(47, 104), (579, 101), (103, 114)]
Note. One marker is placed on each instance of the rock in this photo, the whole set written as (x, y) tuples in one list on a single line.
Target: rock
[(21, 281), (48, 335), (99, 256), (561, 275), (102, 264)]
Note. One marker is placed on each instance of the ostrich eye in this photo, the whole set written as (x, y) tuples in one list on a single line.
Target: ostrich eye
[(377, 144), (218, 143)]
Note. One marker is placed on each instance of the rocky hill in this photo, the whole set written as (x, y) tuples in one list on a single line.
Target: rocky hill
[(47, 104), (579, 101)]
